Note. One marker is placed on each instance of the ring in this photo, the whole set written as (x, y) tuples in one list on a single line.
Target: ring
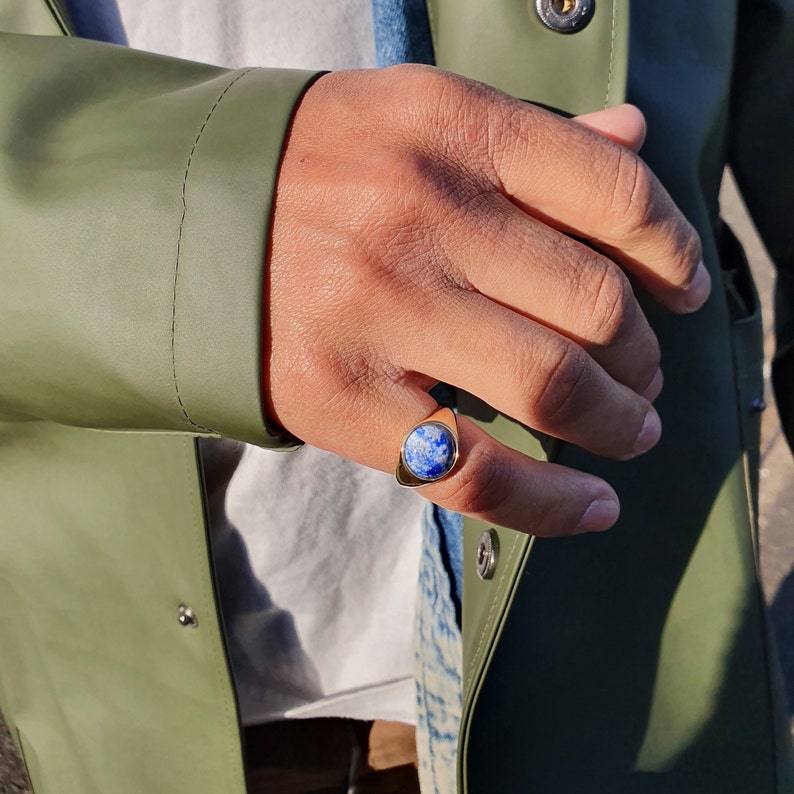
[(429, 450)]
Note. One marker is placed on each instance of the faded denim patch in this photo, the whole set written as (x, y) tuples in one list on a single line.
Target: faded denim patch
[(438, 655)]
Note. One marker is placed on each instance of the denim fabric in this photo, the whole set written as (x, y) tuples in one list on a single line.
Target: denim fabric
[(438, 664), (98, 20), (451, 547), (402, 32)]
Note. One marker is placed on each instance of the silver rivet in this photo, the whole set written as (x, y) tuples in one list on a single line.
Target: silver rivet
[(758, 405), (565, 16), (487, 554), (186, 617)]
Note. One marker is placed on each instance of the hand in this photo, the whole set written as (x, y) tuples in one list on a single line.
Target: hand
[(424, 231)]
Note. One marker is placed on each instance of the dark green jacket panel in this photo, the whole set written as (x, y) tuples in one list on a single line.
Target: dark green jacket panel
[(136, 194), (636, 661)]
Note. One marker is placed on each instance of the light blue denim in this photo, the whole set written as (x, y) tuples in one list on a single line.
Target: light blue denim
[(402, 32)]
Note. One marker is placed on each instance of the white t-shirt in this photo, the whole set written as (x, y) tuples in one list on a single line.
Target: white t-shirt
[(336, 545)]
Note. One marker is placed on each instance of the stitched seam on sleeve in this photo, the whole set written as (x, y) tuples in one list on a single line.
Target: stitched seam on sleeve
[(223, 93), (611, 54)]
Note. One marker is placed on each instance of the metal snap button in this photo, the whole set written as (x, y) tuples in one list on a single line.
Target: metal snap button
[(758, 405), (565, 16), (487, 554), (187, 617)]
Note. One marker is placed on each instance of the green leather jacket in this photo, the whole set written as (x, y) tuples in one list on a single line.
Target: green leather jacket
[(134, 192)]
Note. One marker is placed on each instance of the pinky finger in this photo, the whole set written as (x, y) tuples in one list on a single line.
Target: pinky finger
[(495, 483)]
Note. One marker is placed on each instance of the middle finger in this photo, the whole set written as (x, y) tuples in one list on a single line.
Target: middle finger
[(523, 264)]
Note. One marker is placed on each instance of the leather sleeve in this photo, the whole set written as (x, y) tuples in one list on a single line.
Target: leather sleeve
[(135, 197), (762, 135)]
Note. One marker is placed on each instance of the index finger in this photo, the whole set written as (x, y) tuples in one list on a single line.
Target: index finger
[(584, 184)]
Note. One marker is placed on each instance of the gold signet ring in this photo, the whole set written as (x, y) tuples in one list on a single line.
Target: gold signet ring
[(429, 450)]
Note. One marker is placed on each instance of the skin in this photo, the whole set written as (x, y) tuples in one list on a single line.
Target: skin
[(428, 228)]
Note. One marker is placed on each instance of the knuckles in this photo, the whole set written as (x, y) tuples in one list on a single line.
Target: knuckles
[(559, 386), (612, 305), (638, 205), (691, 254), (632, 201)]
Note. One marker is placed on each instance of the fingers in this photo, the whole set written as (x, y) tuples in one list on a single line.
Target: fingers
[(591, 187), (624, 124), (500, 485), (426, 228), (490, 481), (530, 373), (557, 281)]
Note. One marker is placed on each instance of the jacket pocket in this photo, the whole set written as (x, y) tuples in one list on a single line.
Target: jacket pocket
[(747, 344)]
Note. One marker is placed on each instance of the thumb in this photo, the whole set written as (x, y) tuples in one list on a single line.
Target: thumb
[(623, 124)]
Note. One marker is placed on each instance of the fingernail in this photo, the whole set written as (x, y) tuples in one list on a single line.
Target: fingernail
[(698, 290), (654, 388), (600, 515), (649, 434)]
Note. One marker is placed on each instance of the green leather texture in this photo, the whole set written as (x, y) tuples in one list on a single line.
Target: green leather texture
[(102, 540), (135, 193), (636, 660), (149, 309), (36, 17), (504, 43), (486, 602)]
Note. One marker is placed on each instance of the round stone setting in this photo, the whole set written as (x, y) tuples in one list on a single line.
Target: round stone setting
[(430, 451)]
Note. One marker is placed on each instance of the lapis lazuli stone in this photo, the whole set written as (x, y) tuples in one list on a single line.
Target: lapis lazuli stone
[(429, 451)]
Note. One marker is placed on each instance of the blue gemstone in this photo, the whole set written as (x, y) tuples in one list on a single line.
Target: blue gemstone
[(429, 451)]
